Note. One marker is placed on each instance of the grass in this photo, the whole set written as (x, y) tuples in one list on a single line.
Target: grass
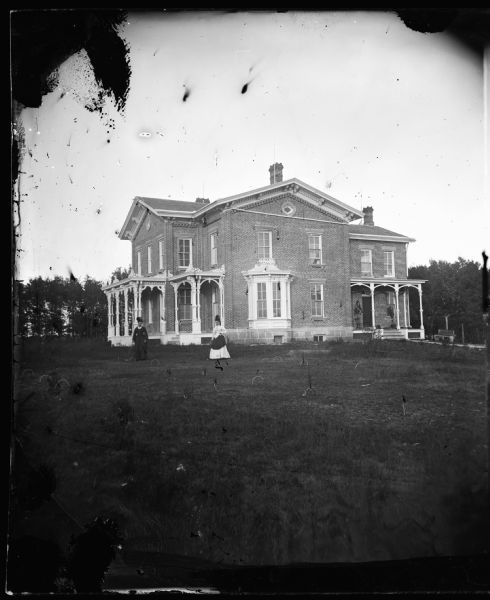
[(293, 453)]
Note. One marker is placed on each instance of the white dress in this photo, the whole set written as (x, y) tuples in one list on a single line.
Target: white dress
[(221, 352)]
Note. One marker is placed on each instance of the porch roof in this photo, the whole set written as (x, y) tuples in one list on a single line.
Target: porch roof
[(161, 278), (384, 281)]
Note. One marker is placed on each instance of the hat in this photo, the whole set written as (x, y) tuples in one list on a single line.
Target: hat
[(140, 320)]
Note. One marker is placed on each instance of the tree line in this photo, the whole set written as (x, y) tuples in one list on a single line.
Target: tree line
[(452, 299)]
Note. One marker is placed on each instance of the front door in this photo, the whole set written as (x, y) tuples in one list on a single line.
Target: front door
[(210, 306), (367, 315)]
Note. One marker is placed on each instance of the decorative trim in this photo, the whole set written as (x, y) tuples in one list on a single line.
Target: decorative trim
[(380, 238), (288, 208), (184, 224)]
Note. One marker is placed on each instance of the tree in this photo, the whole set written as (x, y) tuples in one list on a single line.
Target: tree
[(94, 308), (451, 296), (62, 306), (121, 272)]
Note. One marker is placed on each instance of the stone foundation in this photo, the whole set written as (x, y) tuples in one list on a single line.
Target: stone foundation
[(278, 336)]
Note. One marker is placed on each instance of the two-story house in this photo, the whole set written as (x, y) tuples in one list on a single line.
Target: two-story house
[(282, 262)]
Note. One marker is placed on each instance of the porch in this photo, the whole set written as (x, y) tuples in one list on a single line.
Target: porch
[(381, 309), (176, 309)]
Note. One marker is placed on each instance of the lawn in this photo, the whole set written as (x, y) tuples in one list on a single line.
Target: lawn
[(294, 453)]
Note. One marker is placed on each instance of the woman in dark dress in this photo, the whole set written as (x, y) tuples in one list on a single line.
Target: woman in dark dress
[(140, 340)]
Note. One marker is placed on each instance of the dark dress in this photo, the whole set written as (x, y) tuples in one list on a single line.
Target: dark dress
[(140, 339)]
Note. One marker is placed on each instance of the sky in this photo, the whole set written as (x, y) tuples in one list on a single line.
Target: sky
[(354, 104)]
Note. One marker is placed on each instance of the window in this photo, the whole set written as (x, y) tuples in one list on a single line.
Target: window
[(318, 338), (264, 244), (276, 298), (149, 259), (150, 312), (138, 258), (316, 294), (214, 249), (366, 263), (185, 253), (268, 300), (389, 266), (160, 254), (315, 249), (261, 300)]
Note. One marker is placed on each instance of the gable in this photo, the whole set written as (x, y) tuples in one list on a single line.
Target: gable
[(296, 201), (150, 227), (324, 202), (289, 206), (158, 208)]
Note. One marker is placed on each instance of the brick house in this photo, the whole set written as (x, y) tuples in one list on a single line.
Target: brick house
[(277, 263)]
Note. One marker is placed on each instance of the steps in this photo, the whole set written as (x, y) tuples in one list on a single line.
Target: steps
[(393, 334)]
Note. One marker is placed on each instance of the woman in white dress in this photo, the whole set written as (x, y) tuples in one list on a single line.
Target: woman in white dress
[(218, 344)]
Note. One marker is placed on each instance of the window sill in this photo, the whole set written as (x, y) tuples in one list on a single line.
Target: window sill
[(316, 265), (317, 318)]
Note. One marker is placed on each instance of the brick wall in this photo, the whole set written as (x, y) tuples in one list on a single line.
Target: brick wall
[(148, 237), (290, 250), (400, 254)]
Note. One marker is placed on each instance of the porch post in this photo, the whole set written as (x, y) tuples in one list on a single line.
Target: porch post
[(176, 309), (373, 318), (405, 320), (397, 306), (408, 308), (163, 318), (222, 300), (126, 322), (135, 307), (196, 325), (421, 310), (198, 302), (109, 314), (140, 292), (118, 330), (150, 306)]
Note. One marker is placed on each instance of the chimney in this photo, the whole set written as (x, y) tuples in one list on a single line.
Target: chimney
[(276, 173), (368, 215), (202, 200)]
